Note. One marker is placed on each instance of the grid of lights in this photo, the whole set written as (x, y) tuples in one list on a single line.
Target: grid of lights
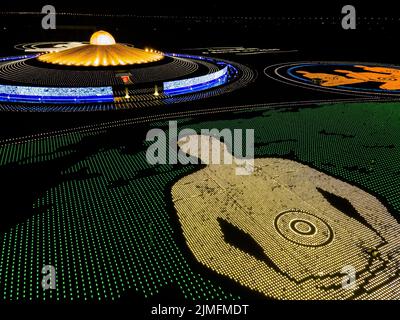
[(131, 225), (55, 95)]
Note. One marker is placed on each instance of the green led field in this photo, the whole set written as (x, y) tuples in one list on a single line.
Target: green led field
[(108, 225)]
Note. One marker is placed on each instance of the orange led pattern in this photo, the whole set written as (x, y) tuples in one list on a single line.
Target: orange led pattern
[(389, 78)]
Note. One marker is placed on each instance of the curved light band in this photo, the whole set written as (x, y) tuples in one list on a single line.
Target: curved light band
[(197, 83), (55, 95)]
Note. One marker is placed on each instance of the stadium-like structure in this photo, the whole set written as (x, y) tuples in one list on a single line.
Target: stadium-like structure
[(105, 75)]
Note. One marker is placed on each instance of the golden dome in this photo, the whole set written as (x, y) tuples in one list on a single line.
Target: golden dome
[(102, 51), (102, 38)]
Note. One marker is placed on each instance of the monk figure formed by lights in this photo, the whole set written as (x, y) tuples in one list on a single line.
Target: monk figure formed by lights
[(287, 230)]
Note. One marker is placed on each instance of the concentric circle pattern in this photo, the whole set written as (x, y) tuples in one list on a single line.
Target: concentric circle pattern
[(303, 228)]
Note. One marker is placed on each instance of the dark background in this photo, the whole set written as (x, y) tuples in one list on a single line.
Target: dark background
[(205, 7), (203, 23)]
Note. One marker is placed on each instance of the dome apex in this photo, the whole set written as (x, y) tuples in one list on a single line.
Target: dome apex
[(102, 38)]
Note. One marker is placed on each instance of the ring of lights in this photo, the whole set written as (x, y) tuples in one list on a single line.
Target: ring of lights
[(177, 78), (303, 228), (42, 47), (30, 72), (288, 73)]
